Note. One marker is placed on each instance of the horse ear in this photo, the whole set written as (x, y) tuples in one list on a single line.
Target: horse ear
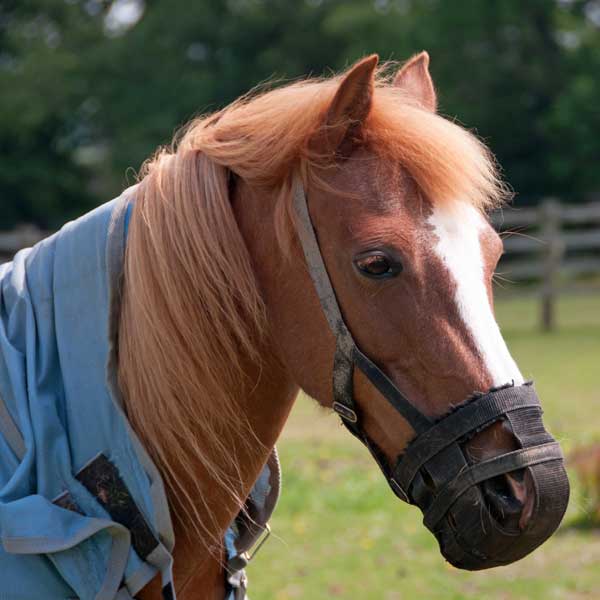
[(349, 108), (415, 79)]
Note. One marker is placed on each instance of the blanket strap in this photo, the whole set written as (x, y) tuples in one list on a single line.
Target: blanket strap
[(10, 432)]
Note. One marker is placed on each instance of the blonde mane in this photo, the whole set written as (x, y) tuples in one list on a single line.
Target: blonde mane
[(192, 314)]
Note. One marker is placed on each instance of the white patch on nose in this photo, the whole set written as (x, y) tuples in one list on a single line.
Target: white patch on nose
[(458, 229)]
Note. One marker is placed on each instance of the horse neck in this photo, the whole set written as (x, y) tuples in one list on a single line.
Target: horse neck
[(268, 404), (268, 399)]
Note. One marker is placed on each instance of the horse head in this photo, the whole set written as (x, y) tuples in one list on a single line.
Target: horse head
[(384, 311)]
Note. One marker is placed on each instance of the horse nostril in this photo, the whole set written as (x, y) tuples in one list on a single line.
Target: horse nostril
[(510, 499), (521, 485)]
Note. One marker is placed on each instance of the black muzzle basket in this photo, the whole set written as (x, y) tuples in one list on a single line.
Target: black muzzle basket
[(434, 473)]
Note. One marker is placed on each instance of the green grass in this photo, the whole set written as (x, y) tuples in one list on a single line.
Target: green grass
[(340, 533)]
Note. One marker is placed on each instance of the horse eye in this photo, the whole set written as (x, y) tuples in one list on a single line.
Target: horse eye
[(377, 265)]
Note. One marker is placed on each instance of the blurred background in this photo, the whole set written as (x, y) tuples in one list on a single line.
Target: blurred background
[(89, 89)]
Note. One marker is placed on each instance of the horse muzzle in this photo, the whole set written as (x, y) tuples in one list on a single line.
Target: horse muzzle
[(493, 512), (474, 535)]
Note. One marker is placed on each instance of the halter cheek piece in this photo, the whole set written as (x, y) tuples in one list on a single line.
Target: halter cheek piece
[(433, 472)]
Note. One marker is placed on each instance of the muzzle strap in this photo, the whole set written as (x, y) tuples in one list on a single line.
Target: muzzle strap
[(505, 463), (467, 418), (419, 422)]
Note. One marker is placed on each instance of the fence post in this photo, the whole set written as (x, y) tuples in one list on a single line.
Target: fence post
[(553, 248)]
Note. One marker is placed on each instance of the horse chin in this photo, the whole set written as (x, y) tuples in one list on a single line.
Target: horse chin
[(472, 537)]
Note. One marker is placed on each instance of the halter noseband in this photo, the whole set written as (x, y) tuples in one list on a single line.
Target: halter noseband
[(433, 472)]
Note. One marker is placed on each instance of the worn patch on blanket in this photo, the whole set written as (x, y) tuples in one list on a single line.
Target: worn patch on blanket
[(102, 480)]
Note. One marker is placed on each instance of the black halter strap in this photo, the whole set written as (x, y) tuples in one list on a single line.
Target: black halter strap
[(432, 437), (347, 353)]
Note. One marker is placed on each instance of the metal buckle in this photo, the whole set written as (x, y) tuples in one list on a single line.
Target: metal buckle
[(260, 543), (399, 491), (346, 413), (241, 560)]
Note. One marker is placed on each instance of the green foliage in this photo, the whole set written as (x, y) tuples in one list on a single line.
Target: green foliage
[(83, 99), (42, 120)]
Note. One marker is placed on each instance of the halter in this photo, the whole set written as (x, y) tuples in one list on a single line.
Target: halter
[(435, 459)]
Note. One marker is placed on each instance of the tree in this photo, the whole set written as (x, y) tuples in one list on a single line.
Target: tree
[(85, 96), (43, 120)]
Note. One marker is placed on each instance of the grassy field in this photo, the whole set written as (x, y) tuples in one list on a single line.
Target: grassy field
[(340, 533)]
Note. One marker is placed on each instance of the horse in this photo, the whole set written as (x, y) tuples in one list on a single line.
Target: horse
[(329, 235)]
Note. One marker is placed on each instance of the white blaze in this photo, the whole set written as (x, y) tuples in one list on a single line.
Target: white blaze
[(457, 228)]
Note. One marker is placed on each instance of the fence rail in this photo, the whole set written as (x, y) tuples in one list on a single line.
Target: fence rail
[(549, 245), (22, 237), (569, 214), (576, 240)]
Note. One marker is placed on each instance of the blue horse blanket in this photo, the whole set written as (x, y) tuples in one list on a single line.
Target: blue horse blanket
[(83, 511)]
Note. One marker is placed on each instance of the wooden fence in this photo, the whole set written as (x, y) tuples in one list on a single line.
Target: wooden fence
[(548, 246), (22, 237)]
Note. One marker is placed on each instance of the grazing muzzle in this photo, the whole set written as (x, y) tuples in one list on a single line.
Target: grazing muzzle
[(464, 503)]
